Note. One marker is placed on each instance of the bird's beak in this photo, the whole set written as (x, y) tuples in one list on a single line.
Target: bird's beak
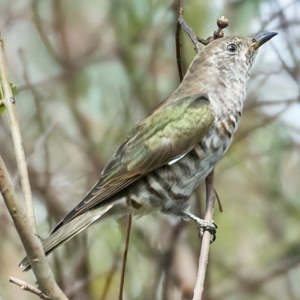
[(262, 38)]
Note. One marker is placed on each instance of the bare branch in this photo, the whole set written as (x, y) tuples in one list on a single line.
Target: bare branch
[(31, 242), (203, 258), (28, 287)]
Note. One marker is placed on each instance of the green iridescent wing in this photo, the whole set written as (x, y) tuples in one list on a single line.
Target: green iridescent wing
[(169, 132)]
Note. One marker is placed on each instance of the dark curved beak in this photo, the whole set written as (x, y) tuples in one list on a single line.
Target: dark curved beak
[(262, 38)]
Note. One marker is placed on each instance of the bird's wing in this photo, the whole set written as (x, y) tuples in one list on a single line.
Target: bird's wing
[(170, 131)]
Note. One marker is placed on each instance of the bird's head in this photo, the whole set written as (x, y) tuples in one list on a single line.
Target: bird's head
[(223, 64), (229, 51)]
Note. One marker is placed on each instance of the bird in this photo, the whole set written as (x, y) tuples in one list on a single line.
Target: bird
[(172, 150)]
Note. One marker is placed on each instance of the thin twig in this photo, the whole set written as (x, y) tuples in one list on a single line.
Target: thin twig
[(181, 24), (17, 140), (188, 31), (129, 221), (43, 35), (218, 200), (222, 23), (178, 42), (203, 258), (28, 287)]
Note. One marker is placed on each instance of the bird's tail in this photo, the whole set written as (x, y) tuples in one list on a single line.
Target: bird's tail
[(75, 226)]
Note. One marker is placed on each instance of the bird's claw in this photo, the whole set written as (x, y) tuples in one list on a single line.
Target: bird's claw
[(210, 226), (203, 225)]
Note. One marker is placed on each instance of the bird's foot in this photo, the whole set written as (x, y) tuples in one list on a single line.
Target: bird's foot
[(204, 225), (207, 225)]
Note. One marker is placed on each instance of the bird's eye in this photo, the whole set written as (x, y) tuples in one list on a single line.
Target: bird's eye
[(232, 48)]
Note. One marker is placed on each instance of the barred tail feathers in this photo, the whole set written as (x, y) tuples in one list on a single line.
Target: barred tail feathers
[(74, 227)]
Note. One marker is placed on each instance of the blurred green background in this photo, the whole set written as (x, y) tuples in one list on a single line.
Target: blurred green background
[(87, 71)]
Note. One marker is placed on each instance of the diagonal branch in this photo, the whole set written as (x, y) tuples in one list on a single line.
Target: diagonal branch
[(28, 287), (31, 242)]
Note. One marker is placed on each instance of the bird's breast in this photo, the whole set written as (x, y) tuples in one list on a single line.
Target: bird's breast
[(169, 187), (202, 159)]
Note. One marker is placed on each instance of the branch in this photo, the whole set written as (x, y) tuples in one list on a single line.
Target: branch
[(222, 23), (28, 287), (17, 140), (203, 258), (31, 242)]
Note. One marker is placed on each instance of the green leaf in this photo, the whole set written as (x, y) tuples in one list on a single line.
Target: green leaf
[(14, 89)]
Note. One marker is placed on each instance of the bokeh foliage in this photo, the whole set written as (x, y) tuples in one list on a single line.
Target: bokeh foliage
[(86, 71)]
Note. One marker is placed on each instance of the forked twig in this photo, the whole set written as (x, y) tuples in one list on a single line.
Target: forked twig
[(28, 287)]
